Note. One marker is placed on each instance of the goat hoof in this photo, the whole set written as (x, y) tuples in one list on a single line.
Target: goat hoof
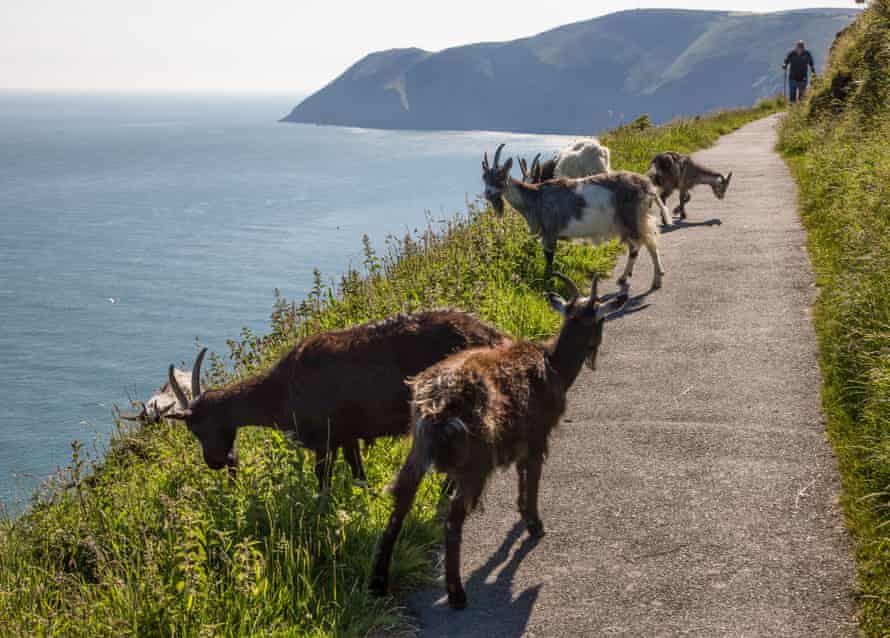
[(457, 599), (378, 586), (535, 529)]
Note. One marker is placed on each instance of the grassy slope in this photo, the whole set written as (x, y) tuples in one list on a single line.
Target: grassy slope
[(837, 146), (150, 542)]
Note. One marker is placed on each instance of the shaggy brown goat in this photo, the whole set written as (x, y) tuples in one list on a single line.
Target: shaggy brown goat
[(487, 408), (332, 389), (671, 171)]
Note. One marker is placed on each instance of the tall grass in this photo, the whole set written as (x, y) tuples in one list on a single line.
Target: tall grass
[(837, 147), (147, 541)]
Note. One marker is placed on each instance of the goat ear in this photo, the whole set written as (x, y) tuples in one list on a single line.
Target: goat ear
[(485, 164), (559, 304), (727, 179)]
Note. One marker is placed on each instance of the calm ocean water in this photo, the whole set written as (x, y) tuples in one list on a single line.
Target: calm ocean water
[(132, 225)]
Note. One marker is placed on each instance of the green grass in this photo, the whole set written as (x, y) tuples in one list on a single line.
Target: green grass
[(837, 147), (147, 541)]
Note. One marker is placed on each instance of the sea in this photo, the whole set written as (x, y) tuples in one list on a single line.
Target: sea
[(133, 226)]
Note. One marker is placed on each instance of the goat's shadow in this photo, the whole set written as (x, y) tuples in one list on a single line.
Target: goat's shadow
[(491, 609), (682, 224)]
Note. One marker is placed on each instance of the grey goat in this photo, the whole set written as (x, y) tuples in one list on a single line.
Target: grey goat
[(671, 171)]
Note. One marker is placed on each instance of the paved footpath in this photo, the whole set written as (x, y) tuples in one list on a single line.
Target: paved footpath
[(690, 490)]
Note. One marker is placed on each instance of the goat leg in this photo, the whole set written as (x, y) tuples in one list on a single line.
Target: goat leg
[(633, 251), (548, 266), (404, 490), (521, 473), (657, 266), (324, 466), (685, 198), (530, 515), (353, 455), (457, 513)]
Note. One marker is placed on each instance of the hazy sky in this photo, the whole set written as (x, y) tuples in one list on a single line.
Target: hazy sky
[(265, 45)]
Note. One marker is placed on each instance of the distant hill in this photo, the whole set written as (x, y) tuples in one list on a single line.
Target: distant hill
[(579, 78)]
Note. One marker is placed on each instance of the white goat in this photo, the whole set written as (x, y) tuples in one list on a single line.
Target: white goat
[(161, 402), (583, 158)]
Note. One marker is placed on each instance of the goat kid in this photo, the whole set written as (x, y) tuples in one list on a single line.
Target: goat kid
[(671, 171), (487, 408), (331, 390), (597, 208)]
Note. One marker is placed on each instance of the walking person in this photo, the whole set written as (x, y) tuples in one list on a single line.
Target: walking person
[(798, 63)]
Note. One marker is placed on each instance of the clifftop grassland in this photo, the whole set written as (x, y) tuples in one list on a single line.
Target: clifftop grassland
[(837, 145), (147, 541)]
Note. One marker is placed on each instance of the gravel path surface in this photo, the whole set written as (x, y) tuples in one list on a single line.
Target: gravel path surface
[(690, 490)]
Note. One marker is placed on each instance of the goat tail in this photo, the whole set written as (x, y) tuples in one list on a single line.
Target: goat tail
[(431, 445)]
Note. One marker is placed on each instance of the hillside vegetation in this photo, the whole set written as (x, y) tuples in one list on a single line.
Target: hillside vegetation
[(838, 147), (578, 78), (147, 541)]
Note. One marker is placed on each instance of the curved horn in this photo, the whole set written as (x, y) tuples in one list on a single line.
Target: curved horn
[(180, 395), (497, 156), (127, 416), (568, 282), (593, 287), (196, 374)]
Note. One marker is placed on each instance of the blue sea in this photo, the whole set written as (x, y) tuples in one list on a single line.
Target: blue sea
[(133, 225)]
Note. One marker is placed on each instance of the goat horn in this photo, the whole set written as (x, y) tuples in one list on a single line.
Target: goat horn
[(126, 416), (568, 282), (180, 395), (497, 156), (196, 374)]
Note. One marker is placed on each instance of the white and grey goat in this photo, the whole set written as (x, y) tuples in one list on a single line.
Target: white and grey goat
[(671, 171), (597, 208)]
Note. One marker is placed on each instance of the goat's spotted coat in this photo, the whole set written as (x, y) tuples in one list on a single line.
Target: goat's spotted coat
[(614, 205)]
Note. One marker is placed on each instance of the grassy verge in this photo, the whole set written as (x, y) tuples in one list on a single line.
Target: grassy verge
[(837, 147), (149, 542)]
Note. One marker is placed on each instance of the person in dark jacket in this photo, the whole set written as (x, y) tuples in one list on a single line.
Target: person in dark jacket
[(800, 62)]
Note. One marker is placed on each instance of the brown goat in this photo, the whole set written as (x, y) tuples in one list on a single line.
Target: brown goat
[(487, 408), (332, 389)]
